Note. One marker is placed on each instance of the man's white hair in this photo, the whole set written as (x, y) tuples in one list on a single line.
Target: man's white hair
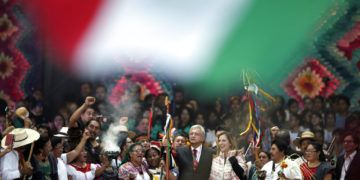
[(199, 127)]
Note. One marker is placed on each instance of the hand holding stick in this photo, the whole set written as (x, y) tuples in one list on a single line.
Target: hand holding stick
[(27, 164)]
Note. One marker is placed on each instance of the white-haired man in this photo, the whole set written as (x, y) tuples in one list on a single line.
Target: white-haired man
[(194, 162)]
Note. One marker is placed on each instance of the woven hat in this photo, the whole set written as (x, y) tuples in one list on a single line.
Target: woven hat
[(22, 112), (22, 137), (304, 135)]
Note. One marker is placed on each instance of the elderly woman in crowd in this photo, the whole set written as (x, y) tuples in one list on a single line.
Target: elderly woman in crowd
[(229, 163), (134, 166)]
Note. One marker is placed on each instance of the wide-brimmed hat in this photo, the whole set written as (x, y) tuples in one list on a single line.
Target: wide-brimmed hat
[(63, 133), (304, 135), (22, 137)]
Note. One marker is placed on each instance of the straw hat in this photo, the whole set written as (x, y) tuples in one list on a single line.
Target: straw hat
[(304, 135), (22, 137), (22, 112)]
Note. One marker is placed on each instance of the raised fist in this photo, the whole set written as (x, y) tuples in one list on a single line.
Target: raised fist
[(86, 134), (89, 100)]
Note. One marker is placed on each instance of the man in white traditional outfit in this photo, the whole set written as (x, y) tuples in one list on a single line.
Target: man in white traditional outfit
[(281, 167), (13, 164)]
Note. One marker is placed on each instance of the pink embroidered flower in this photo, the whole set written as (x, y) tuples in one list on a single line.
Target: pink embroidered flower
[(311, 79), (308, 83)]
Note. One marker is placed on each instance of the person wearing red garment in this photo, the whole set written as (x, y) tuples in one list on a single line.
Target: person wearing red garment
[(315, 167)]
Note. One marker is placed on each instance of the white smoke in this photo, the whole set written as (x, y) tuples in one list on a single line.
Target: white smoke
[(112, 137)]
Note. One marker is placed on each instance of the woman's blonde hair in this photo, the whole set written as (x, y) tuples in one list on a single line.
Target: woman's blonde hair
[(231, 140)]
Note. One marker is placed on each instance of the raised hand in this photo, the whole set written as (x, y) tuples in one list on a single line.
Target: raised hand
[(89, 100), (86, 134), (123, 120), (104, 161)]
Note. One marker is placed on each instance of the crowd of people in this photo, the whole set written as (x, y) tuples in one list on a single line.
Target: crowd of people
[(316, 138)]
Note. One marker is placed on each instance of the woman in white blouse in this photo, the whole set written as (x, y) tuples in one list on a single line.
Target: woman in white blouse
[(229, 163), (80, 170)]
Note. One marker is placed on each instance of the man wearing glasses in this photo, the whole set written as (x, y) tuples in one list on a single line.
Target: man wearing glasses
[(347, 166)]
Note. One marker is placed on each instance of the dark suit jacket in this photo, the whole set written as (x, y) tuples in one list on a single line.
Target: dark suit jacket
[(184, 160), (353, 172)]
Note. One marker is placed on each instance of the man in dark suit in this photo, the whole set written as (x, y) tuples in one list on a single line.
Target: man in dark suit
[(194, 162), (347, 166)]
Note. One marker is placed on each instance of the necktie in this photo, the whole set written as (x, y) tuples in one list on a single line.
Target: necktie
[(195, 162)]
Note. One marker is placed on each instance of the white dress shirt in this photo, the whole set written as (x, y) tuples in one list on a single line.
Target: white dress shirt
[(10, 165), (198, 153), (346, 165), (61, 167)]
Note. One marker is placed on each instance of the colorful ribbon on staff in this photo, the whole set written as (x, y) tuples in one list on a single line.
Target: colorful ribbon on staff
[(167, 130), (252, 90)]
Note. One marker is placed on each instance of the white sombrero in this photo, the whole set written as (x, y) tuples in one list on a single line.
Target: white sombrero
[(63, 133), (22, 137)]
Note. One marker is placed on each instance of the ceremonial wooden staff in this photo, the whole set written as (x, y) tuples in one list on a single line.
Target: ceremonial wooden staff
[(30, 154), (150, 119), (167, 130), (7, 117)]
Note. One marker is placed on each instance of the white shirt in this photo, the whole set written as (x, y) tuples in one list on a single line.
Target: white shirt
[(61, 167), (300, 160), (145, 176), (10, 165), (77, 175), (198, 153), (292, 171), (346, 165)]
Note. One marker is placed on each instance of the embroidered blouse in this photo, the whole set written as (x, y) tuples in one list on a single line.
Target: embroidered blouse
[(79, 173), (128, 169), (221, 168)]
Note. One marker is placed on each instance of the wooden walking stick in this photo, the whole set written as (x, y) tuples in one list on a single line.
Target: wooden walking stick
[(168, 150), (150, 119), (30, 154)]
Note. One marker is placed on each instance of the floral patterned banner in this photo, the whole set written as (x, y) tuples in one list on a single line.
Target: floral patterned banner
[(13, 64), (336, 58), (310, 80)]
